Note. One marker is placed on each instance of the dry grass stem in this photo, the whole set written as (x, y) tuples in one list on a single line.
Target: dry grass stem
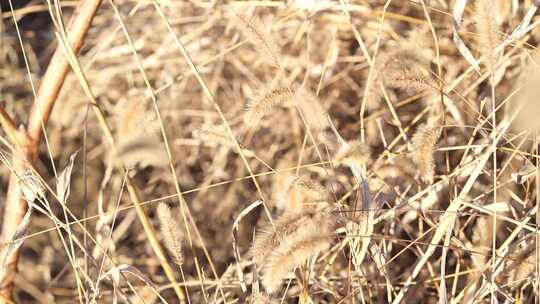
[(269, 151)]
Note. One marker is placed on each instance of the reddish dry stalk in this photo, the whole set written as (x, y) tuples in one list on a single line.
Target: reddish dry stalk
[(8, 126), (58, 67), (28, 141)]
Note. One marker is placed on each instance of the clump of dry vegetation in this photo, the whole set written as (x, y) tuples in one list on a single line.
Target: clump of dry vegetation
[(269, 151)]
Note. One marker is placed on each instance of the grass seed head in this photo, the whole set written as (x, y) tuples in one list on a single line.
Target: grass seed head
[(423, 142), (171, 231), (355, 153), (486, 27), (259, 35), (264, 104), (309, 239), (407, 69)]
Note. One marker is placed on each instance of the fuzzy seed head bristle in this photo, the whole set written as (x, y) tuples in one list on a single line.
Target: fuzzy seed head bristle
[(423, 142), (295, 193), (172, 235), (259, 36), (407, 69), (307, 240), (264, 104), (355, 153), (487, 30), (312, 110), (281, 262), (269, 237), (311, 191)]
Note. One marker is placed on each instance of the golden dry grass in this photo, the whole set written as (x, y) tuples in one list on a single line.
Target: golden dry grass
[(277, 152)]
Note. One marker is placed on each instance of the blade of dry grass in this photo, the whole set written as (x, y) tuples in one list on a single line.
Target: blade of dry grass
[(386, 213), (45, 99), (448, 217), (134, 194), (209, 95)]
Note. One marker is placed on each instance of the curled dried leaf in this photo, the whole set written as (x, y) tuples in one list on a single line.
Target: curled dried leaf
[(16, 240), (64, 180), (31, 186)]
